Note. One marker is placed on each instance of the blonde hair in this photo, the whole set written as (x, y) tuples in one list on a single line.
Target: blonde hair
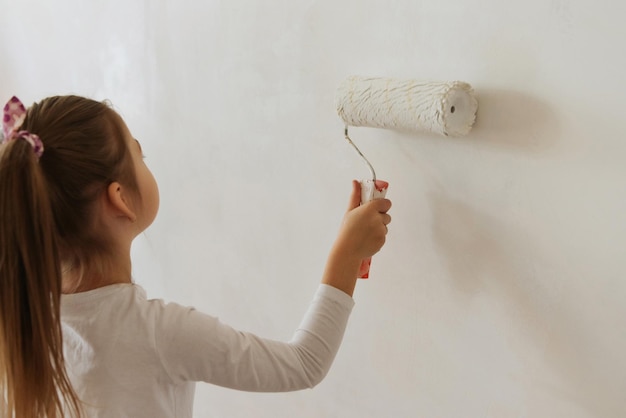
[(46, 221)]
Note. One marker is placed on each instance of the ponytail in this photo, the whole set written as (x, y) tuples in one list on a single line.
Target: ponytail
[(33, 378)]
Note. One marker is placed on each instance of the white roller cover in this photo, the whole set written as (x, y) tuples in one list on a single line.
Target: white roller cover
[(445, 108)]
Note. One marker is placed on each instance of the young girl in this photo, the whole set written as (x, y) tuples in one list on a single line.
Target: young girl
[(77, 337)]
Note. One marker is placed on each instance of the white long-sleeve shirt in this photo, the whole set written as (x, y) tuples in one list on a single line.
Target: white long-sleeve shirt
[(128, 356)]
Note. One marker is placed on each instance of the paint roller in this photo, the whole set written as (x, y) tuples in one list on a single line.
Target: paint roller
[(444, 108)]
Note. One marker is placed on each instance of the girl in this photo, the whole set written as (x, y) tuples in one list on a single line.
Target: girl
[(77, 337)]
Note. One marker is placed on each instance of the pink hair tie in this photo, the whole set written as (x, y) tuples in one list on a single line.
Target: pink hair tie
[(14, 115)]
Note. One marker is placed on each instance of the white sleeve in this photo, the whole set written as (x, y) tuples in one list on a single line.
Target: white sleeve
[(198, 347)]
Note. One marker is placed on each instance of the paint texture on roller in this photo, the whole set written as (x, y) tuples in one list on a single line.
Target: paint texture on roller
[(445, 108)]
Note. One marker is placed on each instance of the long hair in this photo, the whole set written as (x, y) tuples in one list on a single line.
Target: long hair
[(47, 222)]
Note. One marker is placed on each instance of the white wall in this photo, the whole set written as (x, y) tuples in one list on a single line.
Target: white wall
[(501, 290)]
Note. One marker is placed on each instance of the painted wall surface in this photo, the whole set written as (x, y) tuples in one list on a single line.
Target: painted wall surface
[(501, 290)]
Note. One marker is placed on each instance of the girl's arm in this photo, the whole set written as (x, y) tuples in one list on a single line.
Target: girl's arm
[(194, 346)]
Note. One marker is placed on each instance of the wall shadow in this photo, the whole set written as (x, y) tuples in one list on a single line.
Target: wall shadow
[(484, 254), (516, 121)]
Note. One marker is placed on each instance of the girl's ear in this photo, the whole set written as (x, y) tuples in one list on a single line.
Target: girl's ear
[(119, 202)]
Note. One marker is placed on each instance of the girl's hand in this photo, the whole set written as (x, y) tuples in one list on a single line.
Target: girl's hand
[(364, 227), (362, 234)]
